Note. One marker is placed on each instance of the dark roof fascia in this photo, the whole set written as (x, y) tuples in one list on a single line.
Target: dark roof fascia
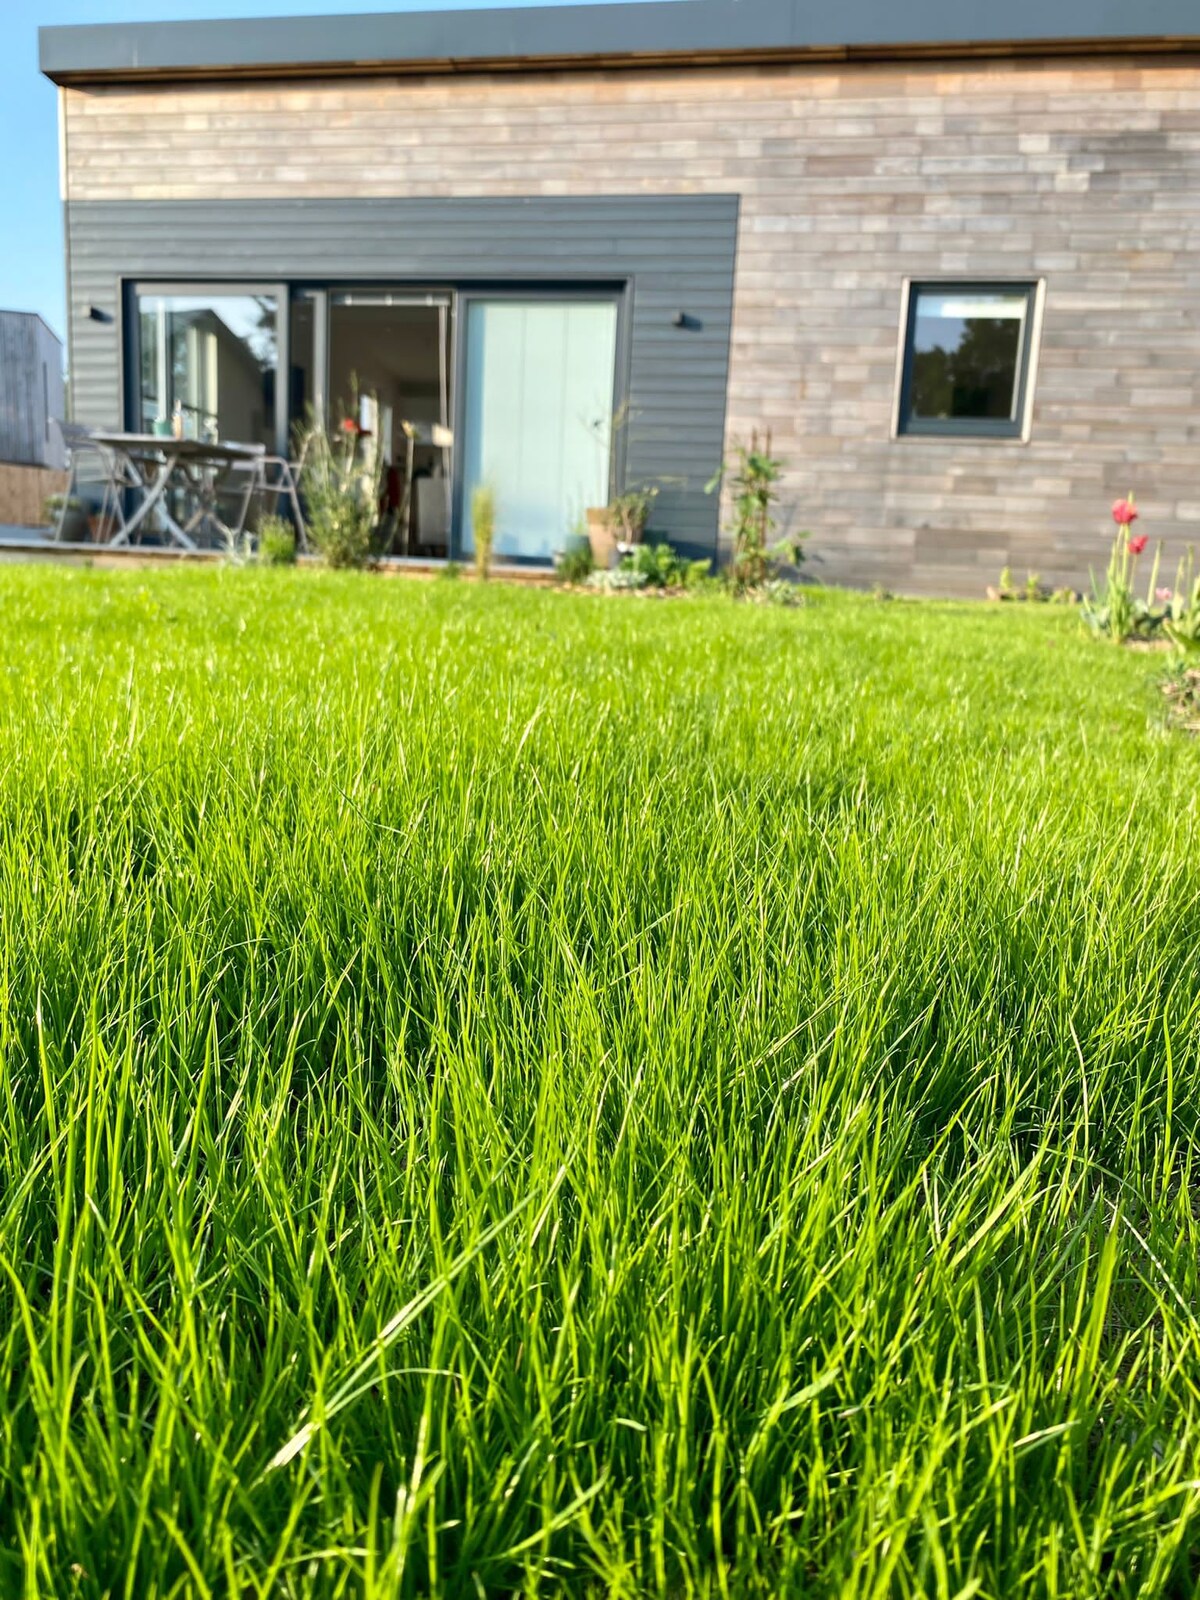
[(647, 31)]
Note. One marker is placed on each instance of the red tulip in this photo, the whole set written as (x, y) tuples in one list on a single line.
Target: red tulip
[(348, 425), (1124, 513), (1138, 543)]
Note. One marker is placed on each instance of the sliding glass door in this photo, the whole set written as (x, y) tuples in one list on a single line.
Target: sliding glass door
[(537, 416), (531, 387)]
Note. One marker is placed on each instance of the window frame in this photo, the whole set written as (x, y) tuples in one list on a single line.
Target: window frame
[(1014, 430), (131, 365)]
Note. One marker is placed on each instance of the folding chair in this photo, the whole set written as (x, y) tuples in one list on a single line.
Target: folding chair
[(80, 446), (274, 478)]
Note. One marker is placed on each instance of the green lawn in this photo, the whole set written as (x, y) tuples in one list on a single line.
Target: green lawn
[(509, 1092)]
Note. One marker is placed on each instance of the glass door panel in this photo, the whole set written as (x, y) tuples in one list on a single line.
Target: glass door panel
[(537, 417), (209, 360), (389, 353)]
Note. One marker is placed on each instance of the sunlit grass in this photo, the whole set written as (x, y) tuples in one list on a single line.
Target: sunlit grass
[(504, 1092)]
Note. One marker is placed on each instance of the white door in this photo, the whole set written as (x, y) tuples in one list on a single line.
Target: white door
[(537, 417)]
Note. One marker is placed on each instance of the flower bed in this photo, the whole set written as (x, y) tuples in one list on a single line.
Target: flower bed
[(1116, 610)]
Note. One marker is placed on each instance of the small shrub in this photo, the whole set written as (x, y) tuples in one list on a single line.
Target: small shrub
[(451, 572), (340, 481), (658, 564), (483, 527), (341, 535), (629, 513), (575, 565), (659, 567), (276, 542), (755, 475)]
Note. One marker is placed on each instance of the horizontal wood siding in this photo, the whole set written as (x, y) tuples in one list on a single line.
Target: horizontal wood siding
[(673, 253), (1085, 174)]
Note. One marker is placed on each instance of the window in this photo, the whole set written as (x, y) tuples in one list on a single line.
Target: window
[(209, 357), (966, 359)]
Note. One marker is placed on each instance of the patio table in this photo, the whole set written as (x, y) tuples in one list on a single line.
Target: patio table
[(149, 466)]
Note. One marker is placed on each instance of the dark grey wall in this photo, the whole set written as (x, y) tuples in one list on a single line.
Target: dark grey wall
[(676, 252)]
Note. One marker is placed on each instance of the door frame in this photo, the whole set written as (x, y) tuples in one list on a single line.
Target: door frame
[(437, 296), (619, 290), (605, 290)]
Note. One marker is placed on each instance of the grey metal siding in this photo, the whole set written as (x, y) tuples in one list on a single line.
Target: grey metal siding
[(676, 253), (661, 28), (31, 391)]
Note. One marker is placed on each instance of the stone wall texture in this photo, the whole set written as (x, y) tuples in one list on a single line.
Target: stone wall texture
[(1082, 173)]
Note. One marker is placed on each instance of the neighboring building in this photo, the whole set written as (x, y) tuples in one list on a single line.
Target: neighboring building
[(31, 392), (947, 253)]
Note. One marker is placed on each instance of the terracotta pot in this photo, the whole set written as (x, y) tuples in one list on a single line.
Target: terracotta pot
[(601, 537)]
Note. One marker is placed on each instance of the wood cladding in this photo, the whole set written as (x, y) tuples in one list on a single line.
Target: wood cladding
[(24, 491)]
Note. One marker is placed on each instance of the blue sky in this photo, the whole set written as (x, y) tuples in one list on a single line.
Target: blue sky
[(31, 256)]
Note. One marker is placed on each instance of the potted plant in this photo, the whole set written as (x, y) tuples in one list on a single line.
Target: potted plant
[(341, 478), (74, 527), (615, 528)]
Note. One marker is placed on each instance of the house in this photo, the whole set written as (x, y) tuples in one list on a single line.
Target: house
[(31, 392), (947, 253)]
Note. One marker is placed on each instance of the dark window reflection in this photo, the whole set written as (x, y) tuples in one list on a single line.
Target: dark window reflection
[(966, 355)]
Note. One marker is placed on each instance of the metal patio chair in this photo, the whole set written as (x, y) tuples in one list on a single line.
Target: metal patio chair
[(275, 479), (82, 447)]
